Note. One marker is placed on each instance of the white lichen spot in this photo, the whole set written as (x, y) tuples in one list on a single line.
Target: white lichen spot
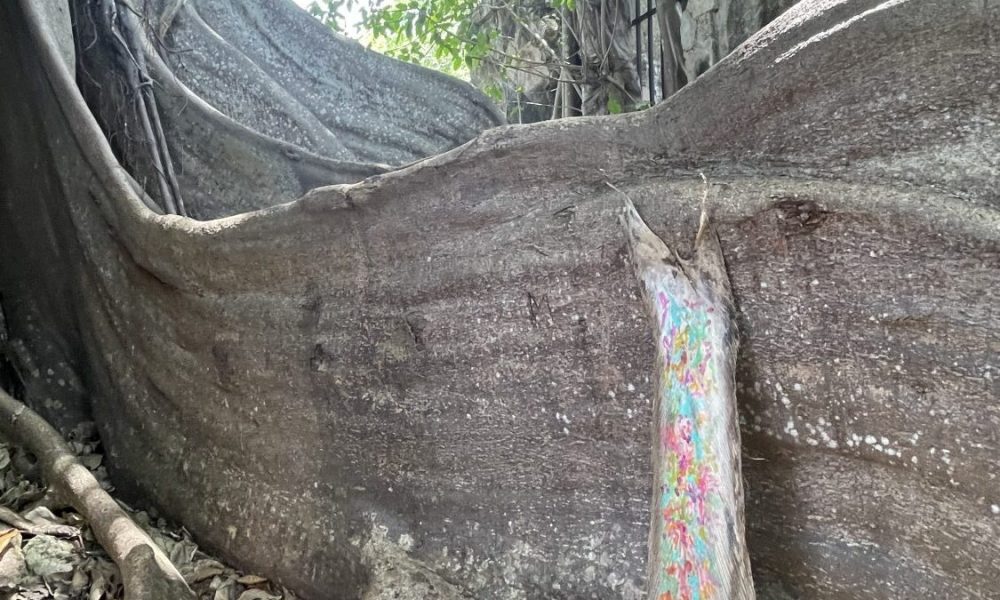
[(630, 387), (995, 509), (406, 542), (797, 387), (870, 440), (884, 440)]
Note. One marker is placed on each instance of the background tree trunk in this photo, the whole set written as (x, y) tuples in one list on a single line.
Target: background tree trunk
[(441, 375), (609, 81)]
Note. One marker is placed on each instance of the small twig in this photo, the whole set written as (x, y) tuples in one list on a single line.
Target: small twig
[(703, 221)]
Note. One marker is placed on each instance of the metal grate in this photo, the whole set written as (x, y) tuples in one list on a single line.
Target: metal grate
[(647, 18)]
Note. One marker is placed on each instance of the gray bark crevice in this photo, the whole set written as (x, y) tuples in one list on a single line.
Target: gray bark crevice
[(450, 360)]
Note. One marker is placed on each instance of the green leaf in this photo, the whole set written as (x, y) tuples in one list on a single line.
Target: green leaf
[(494, 91)]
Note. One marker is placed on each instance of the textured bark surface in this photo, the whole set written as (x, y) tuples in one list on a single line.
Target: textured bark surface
[(446, 368)]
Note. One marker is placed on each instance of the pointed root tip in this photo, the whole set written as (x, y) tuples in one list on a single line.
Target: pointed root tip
[(705, 227), (644, 245)]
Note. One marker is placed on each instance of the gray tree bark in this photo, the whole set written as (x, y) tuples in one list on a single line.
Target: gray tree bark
[(440, 376)]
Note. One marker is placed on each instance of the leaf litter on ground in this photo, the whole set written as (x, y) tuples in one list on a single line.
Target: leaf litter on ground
[(49, 552)]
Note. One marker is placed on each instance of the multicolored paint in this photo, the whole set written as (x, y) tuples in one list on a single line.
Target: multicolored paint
[(692, 459)]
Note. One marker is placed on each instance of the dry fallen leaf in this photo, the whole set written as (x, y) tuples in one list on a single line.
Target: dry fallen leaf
[(38, 521), (98, 584), (225, 592), (47, 556), (257, 595), (202, 570), (79, 583), (43, 521), (91, 461), (12, 567), (7, 537), (251, 580)]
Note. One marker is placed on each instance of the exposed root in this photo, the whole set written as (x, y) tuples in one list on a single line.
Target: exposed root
[(146, 571)]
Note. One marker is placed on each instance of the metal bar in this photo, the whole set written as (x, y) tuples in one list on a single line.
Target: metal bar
[(638, 43), (644, 16), (649, 52), (663, 71)]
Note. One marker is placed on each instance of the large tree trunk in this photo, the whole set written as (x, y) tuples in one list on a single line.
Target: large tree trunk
[(441, 375), (609, 82)]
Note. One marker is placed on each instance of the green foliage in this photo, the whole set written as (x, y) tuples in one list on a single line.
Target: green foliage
[(439, 34), (418, 30), (494, 91), (449, 35), (332, 12), (459, 37), (614, 106)]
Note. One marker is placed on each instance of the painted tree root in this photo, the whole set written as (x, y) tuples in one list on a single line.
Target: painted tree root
[(146, 571), (697, 546)]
